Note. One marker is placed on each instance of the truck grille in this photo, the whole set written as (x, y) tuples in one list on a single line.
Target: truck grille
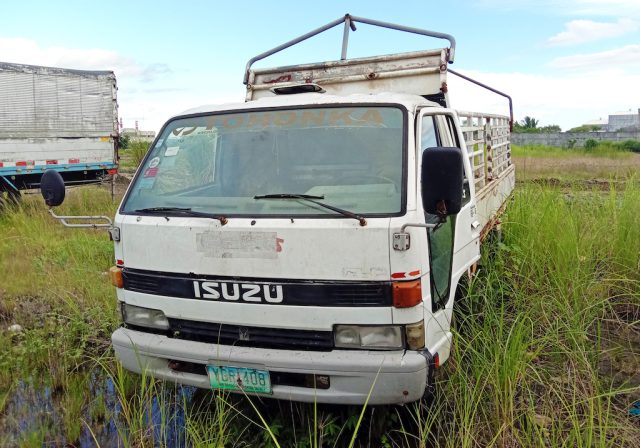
[(296, 292), (243, 336)]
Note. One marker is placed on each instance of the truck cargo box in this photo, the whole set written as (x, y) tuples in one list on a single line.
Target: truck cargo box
[(56, 118)]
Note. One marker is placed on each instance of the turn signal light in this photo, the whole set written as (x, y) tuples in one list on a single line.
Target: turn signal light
[(115, 273), (407, 294)]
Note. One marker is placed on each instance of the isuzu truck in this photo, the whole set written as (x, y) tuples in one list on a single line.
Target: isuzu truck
[(306, 244)]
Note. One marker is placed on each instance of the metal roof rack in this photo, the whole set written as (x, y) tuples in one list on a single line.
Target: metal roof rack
[(349, 25)]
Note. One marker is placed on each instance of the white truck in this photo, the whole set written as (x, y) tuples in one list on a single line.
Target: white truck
[(307, 244), (55, 118)]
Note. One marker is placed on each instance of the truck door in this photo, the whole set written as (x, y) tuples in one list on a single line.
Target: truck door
[(448, 244)]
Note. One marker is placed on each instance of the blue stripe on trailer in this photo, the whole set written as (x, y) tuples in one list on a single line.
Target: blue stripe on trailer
[(36, 169), (8, 182)]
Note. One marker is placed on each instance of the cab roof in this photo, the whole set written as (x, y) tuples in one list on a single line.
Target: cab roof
[(409, 101)]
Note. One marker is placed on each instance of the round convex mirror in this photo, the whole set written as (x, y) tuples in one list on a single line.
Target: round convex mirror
[(52, 188)]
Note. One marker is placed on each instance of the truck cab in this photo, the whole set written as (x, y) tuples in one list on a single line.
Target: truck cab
[(307, 243)]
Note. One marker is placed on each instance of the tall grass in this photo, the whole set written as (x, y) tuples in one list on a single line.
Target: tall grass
[(527, 358), (138, 149), (611, 150), (543, 351)]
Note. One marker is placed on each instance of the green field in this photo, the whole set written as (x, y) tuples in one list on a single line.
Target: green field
[(546, 352)]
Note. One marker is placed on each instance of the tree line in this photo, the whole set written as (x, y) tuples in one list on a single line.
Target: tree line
[(530, 125)]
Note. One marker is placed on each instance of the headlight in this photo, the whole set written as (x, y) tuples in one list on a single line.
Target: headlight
[(415, 335), (374, 337), (144, 317)]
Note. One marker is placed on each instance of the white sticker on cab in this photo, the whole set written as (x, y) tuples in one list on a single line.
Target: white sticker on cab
[(171, 151)]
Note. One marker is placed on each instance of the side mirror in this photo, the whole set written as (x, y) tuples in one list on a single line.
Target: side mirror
[(442, 179), (52, 188)]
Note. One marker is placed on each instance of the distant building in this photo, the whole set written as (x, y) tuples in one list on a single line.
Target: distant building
[(624, 120), (618, 120), (136, 134)]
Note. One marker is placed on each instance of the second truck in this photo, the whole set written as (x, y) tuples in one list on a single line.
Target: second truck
[(56, 118)]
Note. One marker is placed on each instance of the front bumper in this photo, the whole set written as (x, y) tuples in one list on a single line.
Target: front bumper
[(397, 376)]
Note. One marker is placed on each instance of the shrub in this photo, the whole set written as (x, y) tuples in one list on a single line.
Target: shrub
[(631, 145), (591, 144), (124, 141)]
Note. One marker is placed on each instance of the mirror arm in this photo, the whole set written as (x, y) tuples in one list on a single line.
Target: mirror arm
[(410, 224), (402, 240), (107, 222)]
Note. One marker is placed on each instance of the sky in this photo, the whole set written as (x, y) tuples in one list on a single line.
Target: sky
[(564, 62)]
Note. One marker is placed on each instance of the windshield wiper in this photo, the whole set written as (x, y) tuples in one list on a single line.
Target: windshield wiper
[(181, 211), (288, 196), (312, 198)]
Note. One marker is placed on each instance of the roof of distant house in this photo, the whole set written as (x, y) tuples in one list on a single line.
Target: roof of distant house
[(627, 112), (598, 122)]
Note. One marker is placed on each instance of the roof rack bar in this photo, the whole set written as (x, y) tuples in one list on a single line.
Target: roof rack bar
[(408, 29), (345, 36), (349, 22), (492, 90)]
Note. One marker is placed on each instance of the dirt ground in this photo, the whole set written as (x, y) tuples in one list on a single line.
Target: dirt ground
[(528, 168)]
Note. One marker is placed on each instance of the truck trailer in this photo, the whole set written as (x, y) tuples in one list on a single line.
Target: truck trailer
[(56, 118), (307, 244)]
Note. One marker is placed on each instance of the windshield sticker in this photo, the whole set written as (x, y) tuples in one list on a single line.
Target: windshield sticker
[(237, 244), (171, 151), (159, 143), (154, 162), (151, 172)]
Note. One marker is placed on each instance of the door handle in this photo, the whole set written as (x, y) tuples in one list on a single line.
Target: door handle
[(475, 225)]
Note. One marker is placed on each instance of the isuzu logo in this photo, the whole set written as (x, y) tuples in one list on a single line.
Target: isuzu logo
[(243, 333), (234, 292)]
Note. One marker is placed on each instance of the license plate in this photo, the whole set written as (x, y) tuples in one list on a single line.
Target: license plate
[(239, 379)]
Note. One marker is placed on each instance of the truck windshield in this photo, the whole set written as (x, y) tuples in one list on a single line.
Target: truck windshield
[(219, 163)]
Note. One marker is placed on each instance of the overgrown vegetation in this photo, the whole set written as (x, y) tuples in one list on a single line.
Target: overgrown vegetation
[(132, 156), (592, 148), (554, 166), (546, 350)]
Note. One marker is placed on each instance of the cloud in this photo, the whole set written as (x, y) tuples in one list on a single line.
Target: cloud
[(620, 57), (566, 99), (28, 51), (580, 31)]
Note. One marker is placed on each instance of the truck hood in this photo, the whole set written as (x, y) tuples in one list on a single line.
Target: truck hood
[(314, 249)]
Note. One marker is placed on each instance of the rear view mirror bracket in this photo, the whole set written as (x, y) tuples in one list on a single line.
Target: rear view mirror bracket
[(53, 191)]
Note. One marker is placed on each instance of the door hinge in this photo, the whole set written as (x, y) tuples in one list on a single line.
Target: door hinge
[(401, 241)]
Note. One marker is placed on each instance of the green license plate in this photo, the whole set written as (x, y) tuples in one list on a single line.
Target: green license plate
[(239, 378)]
